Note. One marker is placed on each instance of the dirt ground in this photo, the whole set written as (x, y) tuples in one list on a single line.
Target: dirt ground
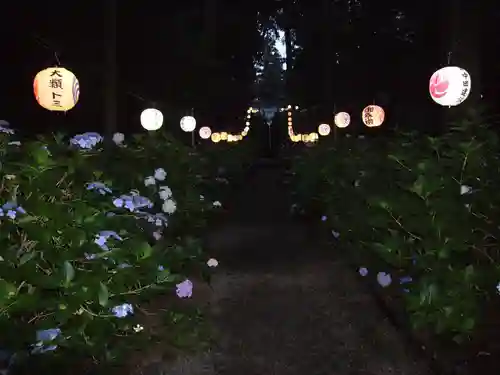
[(283, 303)]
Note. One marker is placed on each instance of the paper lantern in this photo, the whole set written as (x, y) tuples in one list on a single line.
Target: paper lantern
[(342, 119), (223, 136), (450, 86), (56, 89), (373, 116), (205, 132), (188, 123), (215, 137), (151, 119), (324, 129)]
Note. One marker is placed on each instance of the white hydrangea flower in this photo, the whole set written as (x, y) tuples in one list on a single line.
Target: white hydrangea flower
[(169, 206), (165, 192), (212, 262), (464, 189), (150, 180), (118, 138), (160, 174)]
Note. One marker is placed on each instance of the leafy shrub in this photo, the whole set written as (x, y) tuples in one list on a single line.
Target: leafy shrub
[(88, 234), (426, 206)]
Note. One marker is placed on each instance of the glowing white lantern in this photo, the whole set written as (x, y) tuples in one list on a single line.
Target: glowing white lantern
[(56, 89), (151, 119), (205, 132), (188, 123), (324, 129), (450, 86), (342, 119), (373, 116)]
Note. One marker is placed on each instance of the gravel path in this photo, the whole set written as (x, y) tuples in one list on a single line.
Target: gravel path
[(283, 304)]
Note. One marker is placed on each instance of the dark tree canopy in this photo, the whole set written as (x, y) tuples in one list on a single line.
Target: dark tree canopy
[(218, 56)]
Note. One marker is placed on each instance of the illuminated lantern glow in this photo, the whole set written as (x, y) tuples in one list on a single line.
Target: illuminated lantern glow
[(342, 120), (205, 132), (324, 129), (215, 137), (56, 89), (450, 86), (188, 124), (373, 116), (151, 119), (223, 136)]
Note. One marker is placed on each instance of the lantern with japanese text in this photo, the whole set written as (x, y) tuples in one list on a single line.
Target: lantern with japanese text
[(342, 120), (450, 86), (56, 89), (151, 119), (205, 132), (373, 116), (188, 124), (324, 129)]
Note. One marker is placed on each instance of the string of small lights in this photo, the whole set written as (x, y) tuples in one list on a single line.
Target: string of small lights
[(216, 137)]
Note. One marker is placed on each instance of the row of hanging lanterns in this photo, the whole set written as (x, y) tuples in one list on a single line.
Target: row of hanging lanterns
[(372, 116), (58, 89)]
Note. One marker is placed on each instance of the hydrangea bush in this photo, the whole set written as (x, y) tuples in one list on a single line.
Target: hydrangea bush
[(424, 205), (88, 233)]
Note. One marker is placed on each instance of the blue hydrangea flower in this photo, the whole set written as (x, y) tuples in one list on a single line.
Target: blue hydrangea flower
[(102, 238), (11, 209), (46, 336), (405, 280), (100, 187), (158, 219), (121, 311), (86, 141), (132, 202), (5, 127)]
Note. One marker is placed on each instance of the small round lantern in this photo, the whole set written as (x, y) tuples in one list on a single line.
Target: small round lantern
[(151, 119), (56, 89), (324, 129), (188, 124), (205, 132), (342, 120), (373, 116), (450, 86), (215, 137)]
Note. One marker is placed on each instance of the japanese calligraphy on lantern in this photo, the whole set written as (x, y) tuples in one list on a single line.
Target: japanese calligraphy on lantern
[(373, 116), (56, 89), (450, 86)]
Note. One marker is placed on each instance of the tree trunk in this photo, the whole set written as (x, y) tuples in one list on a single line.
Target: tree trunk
[(110, 73), (289, 60), (208, 70), (327, 60), (464, 50)]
